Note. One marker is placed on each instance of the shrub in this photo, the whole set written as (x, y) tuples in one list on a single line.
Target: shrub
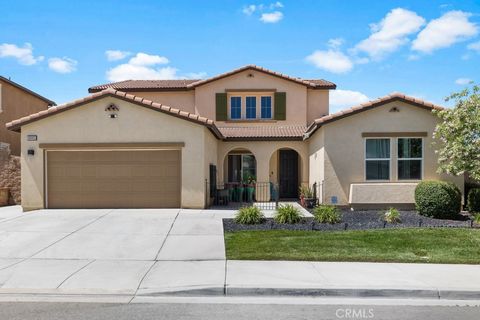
[(438, 199), (287, 214), (473, 201), (249, 215), (476, 218), (392, 215), (327, 214)]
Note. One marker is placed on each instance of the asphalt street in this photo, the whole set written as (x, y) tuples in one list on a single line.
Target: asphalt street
[(179, 311)]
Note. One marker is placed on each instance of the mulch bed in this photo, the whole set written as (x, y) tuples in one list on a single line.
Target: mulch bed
[(355, 220)]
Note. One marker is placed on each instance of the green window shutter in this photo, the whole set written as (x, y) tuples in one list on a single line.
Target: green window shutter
[(280, 105), (221, 106)]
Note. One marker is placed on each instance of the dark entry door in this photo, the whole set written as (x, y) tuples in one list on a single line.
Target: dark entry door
[(288, 174)]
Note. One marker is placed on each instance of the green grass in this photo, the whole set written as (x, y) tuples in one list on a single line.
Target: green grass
[(400, 245)]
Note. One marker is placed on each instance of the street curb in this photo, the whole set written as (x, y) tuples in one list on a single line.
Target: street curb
[(431, 294), (356, 293)]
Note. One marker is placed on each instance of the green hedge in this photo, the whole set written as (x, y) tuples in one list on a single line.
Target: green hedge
[(473, 202), (438, 199)]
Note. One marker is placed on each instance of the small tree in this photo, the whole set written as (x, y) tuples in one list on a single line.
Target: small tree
[(457, 135)]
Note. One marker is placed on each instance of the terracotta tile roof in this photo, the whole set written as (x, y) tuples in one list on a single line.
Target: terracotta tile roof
[(188, 84), (16, 85), (17, 124), (273, 132), (315, 84), (139, 85), (395, 96)]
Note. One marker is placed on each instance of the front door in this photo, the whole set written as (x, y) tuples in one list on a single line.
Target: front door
[(288, 174)]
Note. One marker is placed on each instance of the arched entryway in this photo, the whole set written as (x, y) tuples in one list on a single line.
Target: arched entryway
[(240, 165), (285, 171)]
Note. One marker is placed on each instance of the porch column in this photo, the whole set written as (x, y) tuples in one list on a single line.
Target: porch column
[(262, 192)]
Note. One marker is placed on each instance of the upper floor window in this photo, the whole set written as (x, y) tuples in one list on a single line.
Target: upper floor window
[(410, 158), (251, 107), (266, 107), (235, 107), (377, 159)]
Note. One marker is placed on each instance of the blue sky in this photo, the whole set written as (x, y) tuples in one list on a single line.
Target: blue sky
[(368, 48)]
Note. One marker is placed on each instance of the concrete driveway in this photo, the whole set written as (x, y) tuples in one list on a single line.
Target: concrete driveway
[(111, 251)]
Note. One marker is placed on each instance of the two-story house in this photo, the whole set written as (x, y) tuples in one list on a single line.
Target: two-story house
[(169, 143), (17, 101)]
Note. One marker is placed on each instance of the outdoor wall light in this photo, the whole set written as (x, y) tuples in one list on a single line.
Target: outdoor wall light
[(31, 152)]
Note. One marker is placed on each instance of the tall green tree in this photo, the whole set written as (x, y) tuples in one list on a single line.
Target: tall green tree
[(457, 135)]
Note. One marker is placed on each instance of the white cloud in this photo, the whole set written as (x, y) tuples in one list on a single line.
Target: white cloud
[(272, 17), (62, 65), (146, 66), (450, 28), (330, 60), (463, 81), (390, 33), (277, 4), (143, 59), (341, 99), (335, 43), (134, 72), (114, 55), (475, 46), (24, 55), (249, 10)]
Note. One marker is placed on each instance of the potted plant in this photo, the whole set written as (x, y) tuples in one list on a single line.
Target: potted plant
[(301, 191), (250, 188), (307, 198)]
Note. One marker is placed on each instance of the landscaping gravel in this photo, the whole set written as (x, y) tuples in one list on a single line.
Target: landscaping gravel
[(355, 220)]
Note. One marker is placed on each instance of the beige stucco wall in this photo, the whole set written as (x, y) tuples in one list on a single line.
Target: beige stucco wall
[(344, 161), (16, 103), (90, 124), (316, 153), (264, 151), (317, 104), (183, 100), (296, 95)]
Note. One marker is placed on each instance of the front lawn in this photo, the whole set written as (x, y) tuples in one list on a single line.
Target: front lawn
[(400, 245)]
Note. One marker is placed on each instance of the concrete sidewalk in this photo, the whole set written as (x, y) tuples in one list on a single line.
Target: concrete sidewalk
[(240, 278), (141, 253)]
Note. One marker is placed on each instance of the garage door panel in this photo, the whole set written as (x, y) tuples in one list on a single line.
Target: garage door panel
[(113, 179)]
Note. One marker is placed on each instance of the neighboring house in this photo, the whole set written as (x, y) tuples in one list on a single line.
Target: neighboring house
[(17, 101), (164, 143)]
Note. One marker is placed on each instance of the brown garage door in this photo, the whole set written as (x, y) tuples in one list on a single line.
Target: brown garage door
[(113, 179)]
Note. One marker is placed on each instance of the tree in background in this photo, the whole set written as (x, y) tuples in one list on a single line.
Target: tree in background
[(457, 135)]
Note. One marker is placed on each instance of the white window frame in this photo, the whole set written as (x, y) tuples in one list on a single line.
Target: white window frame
[(377, 159), (243, 105), (229, 107), (403, 159)]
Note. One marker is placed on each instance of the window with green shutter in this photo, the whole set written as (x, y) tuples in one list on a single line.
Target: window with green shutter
[(221, 106), (280, 103)]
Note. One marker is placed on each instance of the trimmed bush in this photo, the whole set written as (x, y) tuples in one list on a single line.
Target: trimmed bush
[(473, 201), (327, 214), (249, 215), (287, 214), (438, 199), (392, 215)]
